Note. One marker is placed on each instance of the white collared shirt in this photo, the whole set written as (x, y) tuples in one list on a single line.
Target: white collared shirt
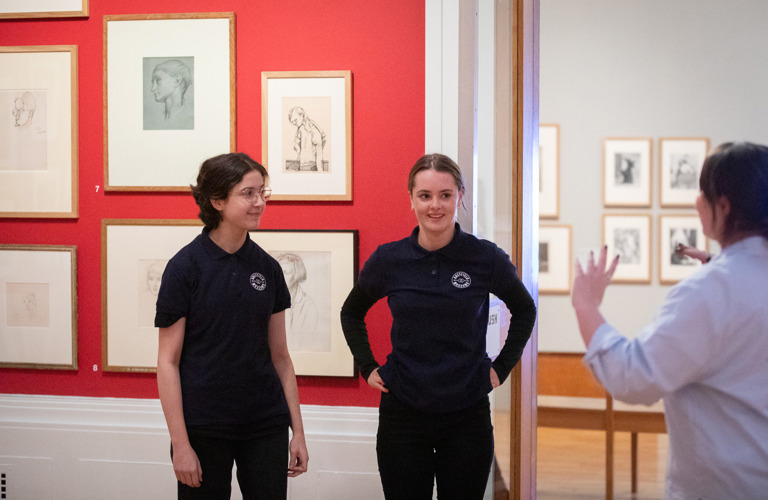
[(706, 355)]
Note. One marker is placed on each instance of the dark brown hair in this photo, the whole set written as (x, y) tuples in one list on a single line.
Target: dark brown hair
[(739, 172)]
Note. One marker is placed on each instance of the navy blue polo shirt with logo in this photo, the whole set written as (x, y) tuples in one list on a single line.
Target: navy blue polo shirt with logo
[(227, 377), (439, 302)]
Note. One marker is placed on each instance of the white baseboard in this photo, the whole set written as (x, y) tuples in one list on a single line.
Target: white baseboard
[(62, 447)]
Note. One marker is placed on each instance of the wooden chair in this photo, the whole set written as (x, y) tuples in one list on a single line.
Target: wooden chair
[(569, 397)]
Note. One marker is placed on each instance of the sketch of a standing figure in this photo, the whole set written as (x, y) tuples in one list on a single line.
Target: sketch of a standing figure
[(171, 106), (305, 331), (683, 172), (309, 143), (684, 236)]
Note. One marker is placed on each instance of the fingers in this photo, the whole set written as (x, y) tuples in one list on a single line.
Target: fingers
[(612, 269)]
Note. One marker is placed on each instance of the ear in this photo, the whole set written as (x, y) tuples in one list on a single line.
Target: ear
[(218, 204), (723, 206)]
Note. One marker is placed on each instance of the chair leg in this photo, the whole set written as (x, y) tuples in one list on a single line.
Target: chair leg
[(633, 451)]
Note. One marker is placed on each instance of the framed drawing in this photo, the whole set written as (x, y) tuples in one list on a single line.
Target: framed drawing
[(306, 127), (627, 172), (21, 9), (549, 171), (674, 229), (320, 268), (38, 131), (133, 256), (169, 97), (555, 260), (680, 162), (38, 306), (629, 237)]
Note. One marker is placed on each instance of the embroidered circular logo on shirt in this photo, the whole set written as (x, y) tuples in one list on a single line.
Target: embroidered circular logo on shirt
[(461, 280), (258, 281)]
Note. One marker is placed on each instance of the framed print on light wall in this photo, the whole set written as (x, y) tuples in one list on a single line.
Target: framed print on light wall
[(629, 237), (169, 97), (22, 9), (674, 229), (38, 306), (320, 268), (627, 172), (549, 171), (555, 260), (133, 257), (306, 127), (38, 131), (680, 162)]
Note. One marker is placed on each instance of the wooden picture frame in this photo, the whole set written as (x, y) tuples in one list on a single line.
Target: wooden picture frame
[(627, 172), (134, 253), (680, 162), (301, 110), (629, 235), (549, 171), (169, 97), (674, 229), (24, 9), (39, 132), (38, 306), (320, 268), (555, 259)]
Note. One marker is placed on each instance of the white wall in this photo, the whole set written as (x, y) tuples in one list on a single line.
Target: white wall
[(62, 448), (641, 68)]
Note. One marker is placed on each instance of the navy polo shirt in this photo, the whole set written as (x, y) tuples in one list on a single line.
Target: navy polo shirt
[(439, 302), (227, 376)]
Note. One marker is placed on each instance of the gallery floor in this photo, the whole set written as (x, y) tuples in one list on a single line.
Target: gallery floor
[(571, 464)]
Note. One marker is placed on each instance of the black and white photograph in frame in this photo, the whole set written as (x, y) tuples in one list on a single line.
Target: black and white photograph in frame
[(320, 267), (306, 134), (555, 260), (169, 92), (629, 237), (680, 162), (627, 172), (674, 230), (38, 306)]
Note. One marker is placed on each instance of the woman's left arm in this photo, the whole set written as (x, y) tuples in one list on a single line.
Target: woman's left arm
[(281, 358)]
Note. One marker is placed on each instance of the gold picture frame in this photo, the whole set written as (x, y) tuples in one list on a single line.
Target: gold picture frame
[(38, 306), (629, 236), (157, 134), (306, 126), (21, 9), (39, 132), (627, 172)]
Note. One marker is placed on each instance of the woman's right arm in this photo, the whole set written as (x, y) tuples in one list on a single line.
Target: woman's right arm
[(353, 314), (186, 465)]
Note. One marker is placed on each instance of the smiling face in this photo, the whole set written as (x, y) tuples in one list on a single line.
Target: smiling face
[(435, 199), (242, 210)]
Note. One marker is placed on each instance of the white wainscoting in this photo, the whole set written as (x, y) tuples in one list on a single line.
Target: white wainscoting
[(61, 448)]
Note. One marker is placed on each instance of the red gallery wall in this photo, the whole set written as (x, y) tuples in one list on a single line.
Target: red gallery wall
[(381, 43)]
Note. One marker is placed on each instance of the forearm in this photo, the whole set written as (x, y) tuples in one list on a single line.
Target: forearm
[(169, 389), (589, 319), (353, 314), (287, 375)]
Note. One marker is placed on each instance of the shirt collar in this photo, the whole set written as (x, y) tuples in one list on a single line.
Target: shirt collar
[(452, 249), (750, 245), (219, 253)]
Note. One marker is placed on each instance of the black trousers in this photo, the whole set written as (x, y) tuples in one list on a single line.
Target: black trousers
[(262, 467), (415, 449)]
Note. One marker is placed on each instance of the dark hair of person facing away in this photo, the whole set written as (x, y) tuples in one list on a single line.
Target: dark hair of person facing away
[(438, 162), (217, 176), (739, 171)]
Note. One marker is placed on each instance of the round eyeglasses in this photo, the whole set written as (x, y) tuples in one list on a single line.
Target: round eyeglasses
[(252, 195)]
